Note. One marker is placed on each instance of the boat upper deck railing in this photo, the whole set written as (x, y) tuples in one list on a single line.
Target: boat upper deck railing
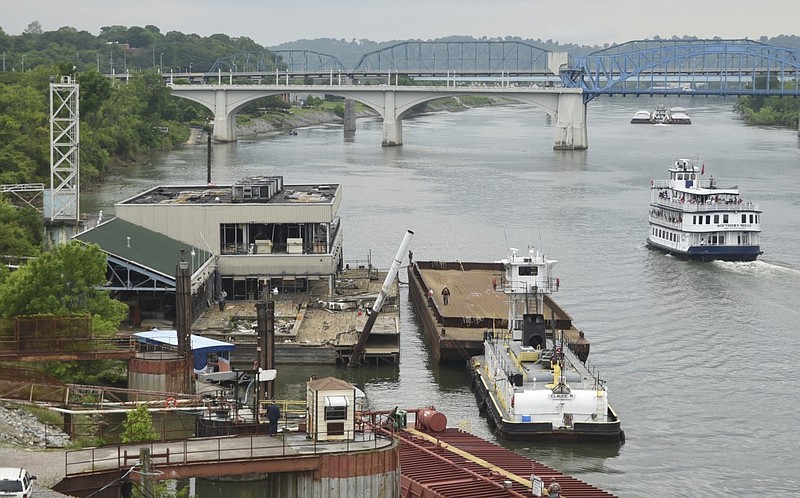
[(693, 207), (702, 183)]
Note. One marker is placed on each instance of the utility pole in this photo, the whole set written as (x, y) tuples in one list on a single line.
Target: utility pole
[(148, 483), (265, 314)]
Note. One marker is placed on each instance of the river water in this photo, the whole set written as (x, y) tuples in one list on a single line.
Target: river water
[(699, 357)]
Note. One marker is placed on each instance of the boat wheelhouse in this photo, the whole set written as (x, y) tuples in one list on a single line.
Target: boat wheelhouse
[(694, 218)]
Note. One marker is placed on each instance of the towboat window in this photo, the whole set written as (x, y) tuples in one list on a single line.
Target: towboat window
[(744, 218), (528, 271), (708, 219), (724, 218), (716, 218)]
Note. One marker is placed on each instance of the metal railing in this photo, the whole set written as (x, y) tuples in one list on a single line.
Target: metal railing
[(218, 449)]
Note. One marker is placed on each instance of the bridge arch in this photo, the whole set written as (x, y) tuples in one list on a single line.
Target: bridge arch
[(477, 56), (392, 103), (705, 67)]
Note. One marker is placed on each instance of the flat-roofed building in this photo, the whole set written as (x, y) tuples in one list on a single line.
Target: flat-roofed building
[(263, 234)]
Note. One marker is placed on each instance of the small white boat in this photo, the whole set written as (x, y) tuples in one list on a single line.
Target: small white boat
[(696, 219)]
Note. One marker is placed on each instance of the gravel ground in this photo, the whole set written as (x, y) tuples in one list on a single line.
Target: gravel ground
[(46, 465)]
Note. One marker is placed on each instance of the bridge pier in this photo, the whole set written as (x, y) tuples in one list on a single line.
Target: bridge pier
[(392, 124), (570, 133), (224, 121), (349, 120)]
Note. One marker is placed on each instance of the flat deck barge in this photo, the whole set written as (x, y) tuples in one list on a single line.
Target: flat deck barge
[(312, 327), (454, 332)]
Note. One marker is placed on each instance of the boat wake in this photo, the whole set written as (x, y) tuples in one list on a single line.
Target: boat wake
[(760, 268)]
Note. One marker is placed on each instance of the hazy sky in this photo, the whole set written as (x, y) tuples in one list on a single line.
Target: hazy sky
[(271, 23)]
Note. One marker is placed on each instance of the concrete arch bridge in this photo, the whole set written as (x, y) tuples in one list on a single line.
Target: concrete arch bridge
[(565, 105)]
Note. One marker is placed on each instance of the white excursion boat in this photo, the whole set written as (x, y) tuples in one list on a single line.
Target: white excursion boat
[(531, 382), (695, 219)]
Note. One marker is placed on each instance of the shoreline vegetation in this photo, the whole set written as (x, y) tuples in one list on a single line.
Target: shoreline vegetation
[(296, 117)]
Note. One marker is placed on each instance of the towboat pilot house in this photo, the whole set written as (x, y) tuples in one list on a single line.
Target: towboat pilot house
[(263, 234)]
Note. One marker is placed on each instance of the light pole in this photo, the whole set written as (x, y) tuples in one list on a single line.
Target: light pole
[(161, 63)]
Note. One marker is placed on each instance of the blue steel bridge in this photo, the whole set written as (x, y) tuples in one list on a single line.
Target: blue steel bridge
[(640, 67)]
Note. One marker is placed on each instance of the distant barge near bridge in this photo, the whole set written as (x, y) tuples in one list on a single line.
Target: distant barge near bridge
[(454, 332)]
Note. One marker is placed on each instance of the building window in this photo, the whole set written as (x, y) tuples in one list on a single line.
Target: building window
[(335, 408)]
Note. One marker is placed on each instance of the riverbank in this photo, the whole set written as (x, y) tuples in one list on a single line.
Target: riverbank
[(22, 444)]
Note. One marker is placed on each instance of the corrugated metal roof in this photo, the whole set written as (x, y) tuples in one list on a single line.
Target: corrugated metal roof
[(147, 248), (455, 464)]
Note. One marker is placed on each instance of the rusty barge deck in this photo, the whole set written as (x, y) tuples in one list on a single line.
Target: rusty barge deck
[(455, 464), (454, 332)]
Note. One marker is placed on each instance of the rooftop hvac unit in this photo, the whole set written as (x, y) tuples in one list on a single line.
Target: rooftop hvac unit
[(260, 188)]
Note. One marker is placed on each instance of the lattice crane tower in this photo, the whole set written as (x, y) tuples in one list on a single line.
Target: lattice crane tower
[(62, 202)]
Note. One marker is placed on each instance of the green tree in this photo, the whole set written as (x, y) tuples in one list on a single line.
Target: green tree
[(66, 280), (20, 230), (139, 426)]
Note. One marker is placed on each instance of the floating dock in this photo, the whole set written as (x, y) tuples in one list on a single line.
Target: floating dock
[(454, 332), (313, 327)]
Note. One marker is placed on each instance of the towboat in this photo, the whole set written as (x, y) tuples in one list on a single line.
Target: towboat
[(660, 115), (531, 382), (694, 218)]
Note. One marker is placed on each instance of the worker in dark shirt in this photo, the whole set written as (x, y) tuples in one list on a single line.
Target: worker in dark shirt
[(273, 414)]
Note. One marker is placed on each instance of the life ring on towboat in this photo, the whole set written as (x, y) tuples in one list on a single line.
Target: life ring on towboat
[(171, 401)]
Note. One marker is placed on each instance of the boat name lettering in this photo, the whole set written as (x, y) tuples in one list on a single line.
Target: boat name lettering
[(731, 226), (562, 396)]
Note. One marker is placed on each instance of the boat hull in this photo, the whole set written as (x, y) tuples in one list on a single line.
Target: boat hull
[(711, 253), (609, 432)]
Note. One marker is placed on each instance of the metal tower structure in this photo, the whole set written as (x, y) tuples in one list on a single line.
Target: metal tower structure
[(62, 201)]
